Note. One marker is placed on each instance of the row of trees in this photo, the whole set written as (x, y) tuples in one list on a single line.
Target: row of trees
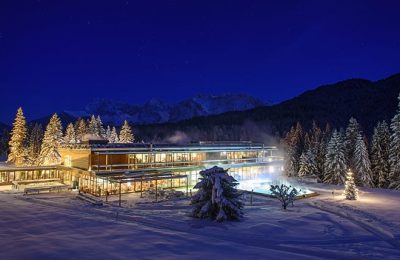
[(328, 154), (33, 146), (76, 133)]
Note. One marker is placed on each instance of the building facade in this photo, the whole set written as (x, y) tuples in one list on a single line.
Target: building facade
[(102, 169)]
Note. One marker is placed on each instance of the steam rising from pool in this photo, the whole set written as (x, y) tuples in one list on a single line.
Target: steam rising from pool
[(261, 179)]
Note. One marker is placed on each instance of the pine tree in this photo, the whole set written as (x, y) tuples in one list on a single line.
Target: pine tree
[(108, 133), (352, 131), (394, 158), (307, 164), (362, 164), (93, 126), (80, 129), (217, 197), (4, 139), (350, 191), (335, 163), (34, 144), (102, 132), (293, 149), (321, 150), (113, 136), (18, 139), (126, 135), (318, 149), (53, 135), (380, 165), (70, 136)]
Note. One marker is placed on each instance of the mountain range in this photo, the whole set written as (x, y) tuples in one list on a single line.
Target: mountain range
[(157, 111), (242, 117), (367, 101)]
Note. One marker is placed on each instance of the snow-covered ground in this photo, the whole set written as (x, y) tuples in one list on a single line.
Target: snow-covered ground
[(60, 226)]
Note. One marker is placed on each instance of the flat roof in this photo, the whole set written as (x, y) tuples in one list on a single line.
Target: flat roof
[(163, 147)]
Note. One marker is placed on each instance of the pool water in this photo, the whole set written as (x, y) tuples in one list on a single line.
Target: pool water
[(260, 180), (263, 186)]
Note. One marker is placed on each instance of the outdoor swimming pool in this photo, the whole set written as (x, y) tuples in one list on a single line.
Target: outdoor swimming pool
[(260, 179)]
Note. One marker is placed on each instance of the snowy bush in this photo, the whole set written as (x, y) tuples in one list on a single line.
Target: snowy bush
[(285, 194), (217, 198)]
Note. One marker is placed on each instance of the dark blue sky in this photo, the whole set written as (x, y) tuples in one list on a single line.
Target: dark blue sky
[(58, 55)]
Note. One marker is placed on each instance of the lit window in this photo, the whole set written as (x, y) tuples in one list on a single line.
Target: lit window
[(68, 161)]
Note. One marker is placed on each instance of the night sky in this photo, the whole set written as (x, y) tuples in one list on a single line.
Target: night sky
[(60, 55)]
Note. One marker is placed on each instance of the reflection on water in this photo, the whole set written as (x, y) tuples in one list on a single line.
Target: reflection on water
[(260, 179), (256, 178)]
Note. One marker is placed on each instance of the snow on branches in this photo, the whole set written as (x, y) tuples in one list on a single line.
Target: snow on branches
[(18, 138), (126, 135), (217, 197), (350, 190), (285, 194)]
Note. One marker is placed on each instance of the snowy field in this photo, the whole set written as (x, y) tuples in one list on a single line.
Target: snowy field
[(60, 226)]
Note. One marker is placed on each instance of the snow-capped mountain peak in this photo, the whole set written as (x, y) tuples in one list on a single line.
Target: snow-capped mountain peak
[(158, 111)]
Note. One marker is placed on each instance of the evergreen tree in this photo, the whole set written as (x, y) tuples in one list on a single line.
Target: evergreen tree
[(335, 163), (362, 164), (307, 164), (126, 135), (102, 131), (80, 129), (18, 140), (394, 158), (293, 149), (352, 131), (113, 136), (318, 149), (70, 136), (108, 133), (53, 135), (350, 191), (217, 197), (93, 126), (4, 139), (34, 144), (320, 152), (380, 166)]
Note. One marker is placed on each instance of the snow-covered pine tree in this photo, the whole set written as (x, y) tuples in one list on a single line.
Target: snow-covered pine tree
[(320, 155), (108, 133), (380, 165), (126, 135), (70, 136), (293, 149), (352, 131), (394, 158), (53, 136), (362, 164), (17, 141), (350, 190), (80, 129), (102, 131), (93, 126), (307, 164), (34, 144), (217, 197), (113, 136), (335, 163)]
